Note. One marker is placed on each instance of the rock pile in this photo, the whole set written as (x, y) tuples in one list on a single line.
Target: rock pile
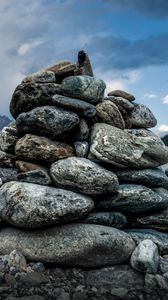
[(76, 168)]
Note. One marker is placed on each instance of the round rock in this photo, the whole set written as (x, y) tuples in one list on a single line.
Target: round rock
[(82, 175), (76, 245), (30, 205), (141, 116), (120, 93)]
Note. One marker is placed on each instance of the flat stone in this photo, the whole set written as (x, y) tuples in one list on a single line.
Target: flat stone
[(30, 95), (120, 102), (126, 148), (145, 257), (84, 176), (29, 205), (7, 160), (159, 238), (112, 219), (56, 68), (81, 149), (141, 116), (47, 121), (8, 174), (81, 132), (77, 245), (150, 177), (86, 88), (37, 148), (120, 93), (25, 166), (8, 138), (83, 66), (132, 198), (41, 76), (81, 107), (110, 114), (40, 176)]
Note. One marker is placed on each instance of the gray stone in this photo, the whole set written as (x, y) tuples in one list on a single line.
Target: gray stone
[(36, 176), (30, 205), (47, 121), (86, 88), (141, 116), (159, 238), (127, 148), (7, 160), (133, 198), (8, 174), (41, 76), (80, 245), (145, 257), (8, 138), (150, 177), (119, 93), (30, 95), (163, 265), (81, 149), (120, 102), (112, 219), (84, 176), (83, 64), (37, 148), (34, 297), (81, 132), (110, 114), (81, 107), (17, 260)]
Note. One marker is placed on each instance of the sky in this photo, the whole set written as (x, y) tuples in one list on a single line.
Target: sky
[(127, 42)]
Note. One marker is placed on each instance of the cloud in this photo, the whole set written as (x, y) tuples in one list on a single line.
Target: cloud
[(165, 100), (153, 8), (163, 128), (150, 96)]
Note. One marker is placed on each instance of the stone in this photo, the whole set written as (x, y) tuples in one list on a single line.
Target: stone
[(79, 106), (56, 68), (83, 64), (8, 138), (145, 257), (47, 121), (25, 166), (38, 267), (36, 176), (37, 148), (62, 70), (159, 238), (8, 174), (86, 88), (81, 132), (17, 260), (41, 76), (120, 103), (30, 95), (7, 160), (141, 116), (126, 148), (112, 219), (133, 198), (83, 176), (32, 279), (81, 149), (31, 205), (120, 93), (77, 245), (163, 266), (33, 297), (150, 177), (110, 114)]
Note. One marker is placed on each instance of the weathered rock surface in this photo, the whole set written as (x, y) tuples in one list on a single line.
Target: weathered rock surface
[(8, 174), (110, 114), (145, 257), (83, 64), (36, 148), (128, 148), (81, 132), (150, 177), (84, 176), (82, 245), (163, 266), (133, 198), (81, 149), (120, 102), (41, 76), (25, 166), (30, 205), (8, 138), (81, 107), (119, 93), (86, 88), (47, 121), (141, 116), (39, 176), (112, 219), (30, 95), (7, 160)]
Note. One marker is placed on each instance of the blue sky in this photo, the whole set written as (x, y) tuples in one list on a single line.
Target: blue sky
[(127, 41)]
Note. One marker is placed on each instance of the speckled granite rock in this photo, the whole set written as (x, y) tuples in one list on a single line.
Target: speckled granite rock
[(142, 117), (112, 219), (8, 138)]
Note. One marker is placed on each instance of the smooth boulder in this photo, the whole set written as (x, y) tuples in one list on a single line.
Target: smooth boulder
[(30, 205), (84, 176), (141, 116), (76, 245), (123, 94)]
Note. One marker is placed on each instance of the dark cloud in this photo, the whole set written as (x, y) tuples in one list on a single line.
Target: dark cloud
[(155, 8)]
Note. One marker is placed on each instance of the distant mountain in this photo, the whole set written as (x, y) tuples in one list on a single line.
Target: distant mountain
[(165, 139), (4, 121)]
